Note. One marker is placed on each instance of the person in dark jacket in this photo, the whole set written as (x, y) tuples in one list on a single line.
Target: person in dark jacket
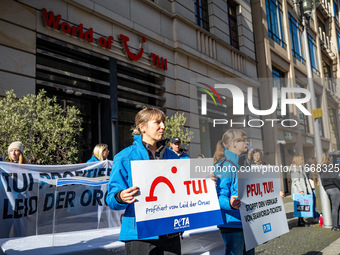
[(148, 145), (175, 145), (331, 183)]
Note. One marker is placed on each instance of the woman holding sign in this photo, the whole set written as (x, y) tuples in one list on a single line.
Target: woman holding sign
[(227, 156), (148, 145)]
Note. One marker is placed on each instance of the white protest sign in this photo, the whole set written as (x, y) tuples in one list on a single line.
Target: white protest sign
[(169, 200), (262, 210)]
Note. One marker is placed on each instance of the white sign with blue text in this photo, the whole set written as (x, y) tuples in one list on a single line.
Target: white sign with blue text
[(169, 200), (262, 210)]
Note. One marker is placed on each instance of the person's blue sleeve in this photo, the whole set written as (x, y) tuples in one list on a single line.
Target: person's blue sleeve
[(118, 181)]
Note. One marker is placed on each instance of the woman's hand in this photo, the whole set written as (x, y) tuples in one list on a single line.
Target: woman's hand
[(282, 194), (302, 193), (128, 195), (235, 203), (214, 178)]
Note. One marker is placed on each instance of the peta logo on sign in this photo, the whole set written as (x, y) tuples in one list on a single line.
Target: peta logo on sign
[(181, 223), (266, 228)]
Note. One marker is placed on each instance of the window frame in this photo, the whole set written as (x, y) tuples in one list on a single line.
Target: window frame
[(295, 33), (233, 26), (274, 22), (202, 14), (313, 54)]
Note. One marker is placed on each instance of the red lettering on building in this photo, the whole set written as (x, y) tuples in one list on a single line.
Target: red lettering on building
[(54, 22)]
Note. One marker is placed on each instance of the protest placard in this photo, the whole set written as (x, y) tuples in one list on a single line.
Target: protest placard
[(262, 210), (303, 205), (36, 199), (169, 200)]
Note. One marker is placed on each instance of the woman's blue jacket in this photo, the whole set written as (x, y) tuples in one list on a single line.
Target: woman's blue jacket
[(226, 187), (120, 179)]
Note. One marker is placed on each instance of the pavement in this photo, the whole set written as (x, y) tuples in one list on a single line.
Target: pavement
[(313, 240)]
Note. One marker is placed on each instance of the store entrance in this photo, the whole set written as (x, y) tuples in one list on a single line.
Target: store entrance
[(95, 113)]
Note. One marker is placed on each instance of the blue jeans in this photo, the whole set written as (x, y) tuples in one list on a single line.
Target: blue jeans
[(235, 245)]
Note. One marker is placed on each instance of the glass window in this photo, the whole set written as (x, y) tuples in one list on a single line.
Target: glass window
[(202, 14), (313, 55), (336, 10), (328, 76), (279, 82), (295, 36), (233, 28), (338, 40), (274, 20), (334, 126), (303, 119)]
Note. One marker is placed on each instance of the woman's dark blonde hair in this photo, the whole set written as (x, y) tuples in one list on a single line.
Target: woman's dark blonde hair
[(144, 115), (228, 137), (98, 151), (256, 151), (22, 159), (326, 158)]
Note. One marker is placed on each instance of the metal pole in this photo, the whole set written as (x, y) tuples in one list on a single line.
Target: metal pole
[(325, 204)]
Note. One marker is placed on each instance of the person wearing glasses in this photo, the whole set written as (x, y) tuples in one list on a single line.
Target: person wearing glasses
[(148, 145), (227, 156), (100, 152)]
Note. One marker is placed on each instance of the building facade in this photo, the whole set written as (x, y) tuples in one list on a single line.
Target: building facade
[(111, 57), (281, 56)]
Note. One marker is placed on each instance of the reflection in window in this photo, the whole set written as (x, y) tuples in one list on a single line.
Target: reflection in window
[(202, 14), (336, 10), (279, 82), (233, 28), (274, 19), (334, 126), (313, 55), (295, 37), (303, 119)]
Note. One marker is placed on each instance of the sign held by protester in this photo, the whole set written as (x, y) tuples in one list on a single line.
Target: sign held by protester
[(262, 211), (303, 205), (170, 200), (35, 198)]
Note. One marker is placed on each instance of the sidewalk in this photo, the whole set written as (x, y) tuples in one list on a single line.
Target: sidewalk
[(313, 240)]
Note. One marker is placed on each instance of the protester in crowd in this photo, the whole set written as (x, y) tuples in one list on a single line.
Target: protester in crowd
[(227, 156), (100, 152), (16, 153), (15, 227), (175, 145), (300, 184), (147, 145), (310, 169), (331, 183), (256, 157)]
